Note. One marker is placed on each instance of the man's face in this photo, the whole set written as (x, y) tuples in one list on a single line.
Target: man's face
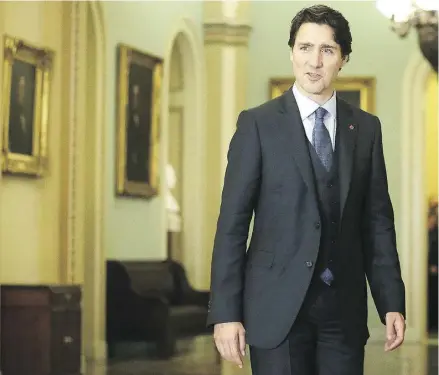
[(316, 59)]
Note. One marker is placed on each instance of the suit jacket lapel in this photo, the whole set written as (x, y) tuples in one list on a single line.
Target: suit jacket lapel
[(348, 130), (297, 143)]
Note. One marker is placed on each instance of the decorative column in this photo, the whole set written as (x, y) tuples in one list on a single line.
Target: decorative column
[(2, 29), (226, 35)]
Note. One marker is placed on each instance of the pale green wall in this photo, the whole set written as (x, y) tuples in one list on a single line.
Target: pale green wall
[(377, 51), (134, 228)]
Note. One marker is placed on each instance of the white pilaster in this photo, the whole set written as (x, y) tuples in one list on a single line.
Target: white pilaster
[(226, 34)]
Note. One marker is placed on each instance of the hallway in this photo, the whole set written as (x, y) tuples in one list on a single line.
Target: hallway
[(198, 357)]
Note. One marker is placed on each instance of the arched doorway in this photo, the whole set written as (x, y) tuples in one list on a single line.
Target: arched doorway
[(176, 153), (184, 140), (413, 219), (94, 266), (86, 251)]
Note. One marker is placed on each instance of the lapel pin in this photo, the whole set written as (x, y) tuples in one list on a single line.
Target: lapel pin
[(351, 127)]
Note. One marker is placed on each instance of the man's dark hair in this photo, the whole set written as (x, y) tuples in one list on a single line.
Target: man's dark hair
[(324, 15)]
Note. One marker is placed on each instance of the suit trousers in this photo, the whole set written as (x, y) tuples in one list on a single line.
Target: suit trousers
[(315, 344)]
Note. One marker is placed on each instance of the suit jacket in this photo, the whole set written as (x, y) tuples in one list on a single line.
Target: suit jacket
[(269, 173)]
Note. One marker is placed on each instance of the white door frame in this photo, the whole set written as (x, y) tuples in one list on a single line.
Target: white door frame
[(192, 50), (87, 180), (413, 220)]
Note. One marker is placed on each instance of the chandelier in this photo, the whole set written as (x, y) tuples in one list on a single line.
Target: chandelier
[(420, 14)]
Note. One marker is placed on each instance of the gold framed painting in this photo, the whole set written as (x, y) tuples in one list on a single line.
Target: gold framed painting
[(358, 91), (27, 73), (138, 122)]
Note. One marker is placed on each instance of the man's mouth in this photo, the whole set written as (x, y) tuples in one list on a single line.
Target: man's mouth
[(314, 76)]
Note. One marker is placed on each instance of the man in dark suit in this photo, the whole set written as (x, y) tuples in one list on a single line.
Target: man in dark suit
[(311, 169)]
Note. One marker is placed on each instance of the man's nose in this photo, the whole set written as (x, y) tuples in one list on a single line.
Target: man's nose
[(316, 59)]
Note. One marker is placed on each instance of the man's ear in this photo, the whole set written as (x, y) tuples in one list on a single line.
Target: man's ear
[(343, 63), (291, 54)]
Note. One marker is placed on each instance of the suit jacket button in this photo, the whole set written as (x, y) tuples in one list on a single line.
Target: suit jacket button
[(308, 264), (317, 225)]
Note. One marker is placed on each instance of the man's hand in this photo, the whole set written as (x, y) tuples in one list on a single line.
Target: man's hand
[(230, 341), (395, 330)]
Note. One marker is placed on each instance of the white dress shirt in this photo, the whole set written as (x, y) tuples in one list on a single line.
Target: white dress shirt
[(307, 108)]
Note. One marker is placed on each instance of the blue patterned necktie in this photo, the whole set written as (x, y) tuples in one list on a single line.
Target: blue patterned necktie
[(327, 277), (323, 146), (321, 139)]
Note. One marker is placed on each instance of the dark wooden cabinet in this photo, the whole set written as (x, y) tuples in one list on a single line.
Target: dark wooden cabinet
[(40, 330)]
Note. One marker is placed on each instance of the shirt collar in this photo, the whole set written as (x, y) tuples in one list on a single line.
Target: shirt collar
[(308, 106)]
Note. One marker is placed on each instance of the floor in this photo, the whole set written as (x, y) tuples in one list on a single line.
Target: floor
[(198, 357)]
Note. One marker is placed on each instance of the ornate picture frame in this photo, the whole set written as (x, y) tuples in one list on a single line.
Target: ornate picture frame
[(138, 122), (27, 74), (359, 91)]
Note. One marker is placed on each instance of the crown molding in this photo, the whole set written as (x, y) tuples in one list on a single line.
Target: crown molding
[(226, 33)]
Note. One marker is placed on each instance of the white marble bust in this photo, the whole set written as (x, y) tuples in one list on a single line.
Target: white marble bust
[(172, 206)]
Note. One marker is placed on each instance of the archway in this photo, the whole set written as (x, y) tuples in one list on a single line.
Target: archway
[(176, 155), (87, 166), (413, 246), (186, 51)]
